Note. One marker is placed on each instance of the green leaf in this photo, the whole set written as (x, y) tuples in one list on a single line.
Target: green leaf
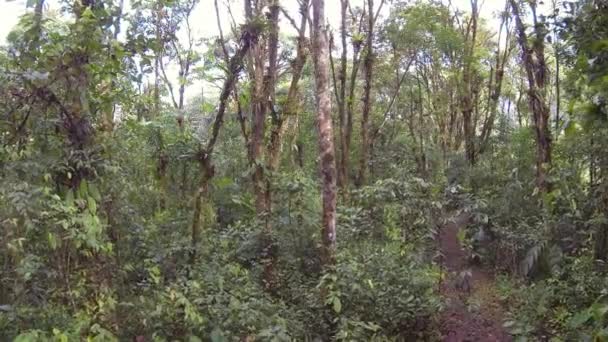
[(580, 318), (571, 128), (30, 336), (83, 189), (88, 13), (461, 235), (92, 205), (69, 198), (601, 335), (599, 310), (337, 305), (52, 241), (223, 182), (94, 192), (217, 335)]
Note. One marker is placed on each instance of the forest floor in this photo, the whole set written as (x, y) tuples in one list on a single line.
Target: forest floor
[(474, 311)]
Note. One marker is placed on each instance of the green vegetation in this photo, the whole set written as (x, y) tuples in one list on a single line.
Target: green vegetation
[(301, 194)]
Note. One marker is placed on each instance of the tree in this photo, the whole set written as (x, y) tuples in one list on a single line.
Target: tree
[(468, 85), (325, 130), (171, 19), (340, 90), (345, 85), (368, 65), (496, 78), (536, 72), (248, 38)]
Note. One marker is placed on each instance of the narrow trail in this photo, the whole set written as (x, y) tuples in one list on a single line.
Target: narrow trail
[(473, 311)]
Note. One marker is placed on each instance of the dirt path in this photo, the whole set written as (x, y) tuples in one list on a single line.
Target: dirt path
[(473, 311)]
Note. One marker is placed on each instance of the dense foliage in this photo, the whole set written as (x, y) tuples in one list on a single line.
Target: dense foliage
[(132, 211)]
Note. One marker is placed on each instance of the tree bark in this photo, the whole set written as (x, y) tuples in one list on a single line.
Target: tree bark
[(291, 104), (269, 86), (259, 104), (278, 119), (556, 51), (468, 84), (38, 9), (496, 90), (535, 68), (341, 99), (248, 38), (326, 141), (157, 60), (367, 91), (350, 102)]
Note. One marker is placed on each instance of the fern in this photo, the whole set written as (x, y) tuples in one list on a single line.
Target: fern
[(532, 257), (538, 256)]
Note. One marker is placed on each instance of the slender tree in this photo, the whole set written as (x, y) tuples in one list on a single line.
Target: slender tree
[(324, 124), (367, 92), (556, 52), (496, 79), (235, 65), (260, 92), (357, 45), (535, 67), (469, 84), (340, 90)]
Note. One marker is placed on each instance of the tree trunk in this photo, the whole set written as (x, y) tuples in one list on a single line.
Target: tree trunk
[(256, 144), (535, 68), (248, 38), (157, 61), (348, 130), (326, 141), (341, 99), (495, 92), (291, 104), (468, 84), (556, 50), (34, 44), (367, 93), (270, 79), (269, 256), (206, 173)]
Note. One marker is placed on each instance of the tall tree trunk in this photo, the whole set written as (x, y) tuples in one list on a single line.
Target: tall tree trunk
[(38, 9), (410, 125), (270, 77), (248, 38), (556, 51), (600, 191), (557, 92), (326, 141), (496, 90), (468, 85), (341, 99), (422, 156), (291, 104), (162, 160), (367, 93), (350, 102), (157, 60), (257, 131), (206, 171), (273, 149), (535, 68)]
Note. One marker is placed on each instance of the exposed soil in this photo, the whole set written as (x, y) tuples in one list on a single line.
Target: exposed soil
[(473, 311)]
